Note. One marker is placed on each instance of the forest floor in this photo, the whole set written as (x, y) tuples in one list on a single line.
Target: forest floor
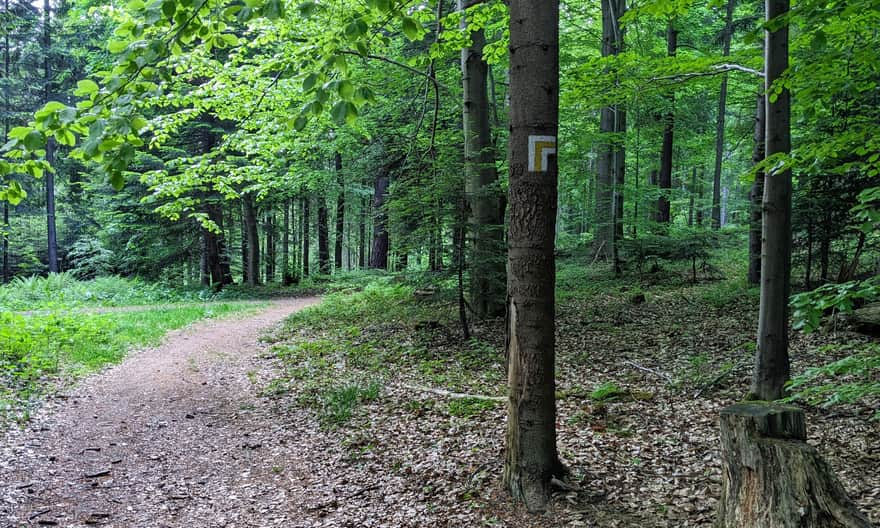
[(343, 416)]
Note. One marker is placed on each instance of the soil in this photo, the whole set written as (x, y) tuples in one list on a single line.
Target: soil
[(173, 436)]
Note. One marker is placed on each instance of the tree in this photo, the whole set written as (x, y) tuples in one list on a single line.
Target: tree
[(722, 110), (486, 214), (771, 362), (531, 455), (340, 211), (756, 194), (663, 205), (50, 143)]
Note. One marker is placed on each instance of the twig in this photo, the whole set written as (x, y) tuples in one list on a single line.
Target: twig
[(454, 395), (34, 515), (716, 70), (667, 377)]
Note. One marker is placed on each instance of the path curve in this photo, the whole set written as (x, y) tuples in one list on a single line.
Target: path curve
[(173, 436)]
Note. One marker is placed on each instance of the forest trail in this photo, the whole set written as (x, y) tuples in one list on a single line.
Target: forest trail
[(173, 436)]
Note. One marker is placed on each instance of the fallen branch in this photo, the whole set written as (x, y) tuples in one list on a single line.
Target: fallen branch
[(716, 70), (454, 395), (667, 377)]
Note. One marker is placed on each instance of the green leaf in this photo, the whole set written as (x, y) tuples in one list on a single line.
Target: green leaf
[(138, 124), (345, 89), (411, 28), (117, 46), (310, 81), (35, 140), (300, 123), (19, 132), (116, 180), (65, 137), (308, 9), (340, 111), (168, 8)]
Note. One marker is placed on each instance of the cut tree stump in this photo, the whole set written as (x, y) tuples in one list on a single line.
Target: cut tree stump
[(773, 478)]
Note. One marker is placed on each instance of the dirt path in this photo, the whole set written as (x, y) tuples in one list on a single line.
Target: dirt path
[(173, 436)]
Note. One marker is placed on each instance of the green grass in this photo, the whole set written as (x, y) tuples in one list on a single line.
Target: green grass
[(39, 351)]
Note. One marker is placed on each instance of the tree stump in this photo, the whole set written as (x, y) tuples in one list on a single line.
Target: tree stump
[(773, 478)]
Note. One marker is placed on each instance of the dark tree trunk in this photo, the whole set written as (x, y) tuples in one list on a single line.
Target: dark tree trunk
[(532, 460), (652, 182), (771, 360), (340, 212), (481, 183), (773, 478), (216, 263), (719, 124), (379, 251), (286, 278), (362, 236), (323, 238), (4, 229), (271, 250), (612, 159), (245, 276), (4, 232), (808, 272), (253, 240), (756, 195), (692, 191), (306, 218), (50, 145), (699, 205), (825, 248), (663, 212)]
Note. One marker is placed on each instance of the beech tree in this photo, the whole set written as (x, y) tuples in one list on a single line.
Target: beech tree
[(771, 362), (532, 459)]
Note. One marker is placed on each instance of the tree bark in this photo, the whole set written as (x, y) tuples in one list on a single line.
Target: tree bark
[(52, 237), (531, 455), (485, 217), (692, 191), (323, 237), (719, 123), (306, 243), (663, 212), (253, 240), (286, 278), (612, 159), (362, 236), (771, 360), (244, 244), (773, 478), (756, 195), (379, 251), (340, 212)]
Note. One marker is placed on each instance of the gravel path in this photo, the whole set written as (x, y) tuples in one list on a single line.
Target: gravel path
[(173, 436)]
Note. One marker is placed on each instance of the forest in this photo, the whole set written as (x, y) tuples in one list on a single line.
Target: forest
[(440, 263)]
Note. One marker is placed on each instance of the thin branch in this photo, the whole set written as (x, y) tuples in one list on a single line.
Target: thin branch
[(716, 70), (407, 67), (454, 395)]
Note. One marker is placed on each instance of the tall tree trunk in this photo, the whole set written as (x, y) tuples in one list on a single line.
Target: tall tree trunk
[(692, 191), (5, 234), (379, 248), (611, 166), (323, 237), (719, 123), (271, 253), (253, 240), (825, 247), (4, 230), (214, 249), (340, 212), (809, 265), (663, 212), (532, 459), (362, 236), (52, 237), (756, 195), (485, 217), (771, 360), (306, 218), (245, 276), (286, 278)]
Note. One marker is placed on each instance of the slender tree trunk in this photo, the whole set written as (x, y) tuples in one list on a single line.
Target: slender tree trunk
[(692, 192), (340, 212), (286, 279), (771, 361), (809, 265), (323, 237), (719, 123), (306, 217), (52, 237), (253, 240), (4, 229), (362, 236), (756, 195), (379, 251), (485, 217), (653, 213), (5, 235), (825, 248), (532, 459), (663, 212), (245, 276)]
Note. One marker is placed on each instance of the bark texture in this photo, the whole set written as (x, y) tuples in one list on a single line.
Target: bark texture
[(323, 238), (663, 211), (773, 478), (51, 233), (379, 250), (486, 217), (771, 360), (253, 240), (719, 123), (756, 195), (531, 456), (340, 212), (306, 243)]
